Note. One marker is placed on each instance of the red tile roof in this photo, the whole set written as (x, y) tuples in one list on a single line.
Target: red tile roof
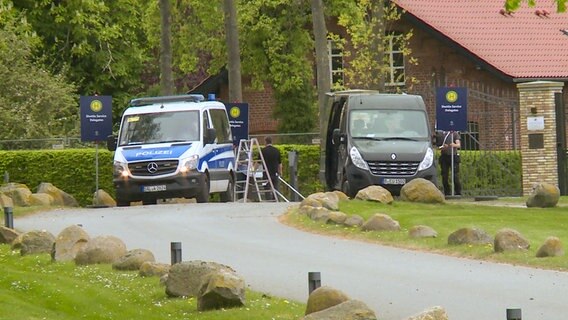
[(527, 43)]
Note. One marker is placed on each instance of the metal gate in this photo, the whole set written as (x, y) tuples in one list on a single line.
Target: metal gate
[(490, 154)]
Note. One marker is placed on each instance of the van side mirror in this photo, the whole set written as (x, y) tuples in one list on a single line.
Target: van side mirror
[(111, 142), (337, 136), (210, 135)]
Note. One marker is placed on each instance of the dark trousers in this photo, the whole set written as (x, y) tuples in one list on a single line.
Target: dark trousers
[(446, 166)]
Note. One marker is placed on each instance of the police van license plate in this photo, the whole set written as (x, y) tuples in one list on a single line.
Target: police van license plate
[(154, 188), (394, 181)]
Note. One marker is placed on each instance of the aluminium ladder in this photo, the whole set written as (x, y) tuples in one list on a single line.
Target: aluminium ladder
[(249, 164)]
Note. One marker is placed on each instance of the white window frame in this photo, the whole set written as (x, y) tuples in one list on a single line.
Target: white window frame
[(390, 53), (335, 53)]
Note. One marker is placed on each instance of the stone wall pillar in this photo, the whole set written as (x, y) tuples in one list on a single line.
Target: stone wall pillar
[(538, 133)]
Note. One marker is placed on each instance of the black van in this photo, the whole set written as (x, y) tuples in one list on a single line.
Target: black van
[(370, 138)]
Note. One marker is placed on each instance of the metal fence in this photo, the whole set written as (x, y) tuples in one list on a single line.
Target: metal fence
[(45, 143)]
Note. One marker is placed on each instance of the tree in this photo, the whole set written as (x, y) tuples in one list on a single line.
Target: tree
[(512, 5), (323, 73), (233, 56), (167, 82), (368, 27), (33, 102), (99, 45)]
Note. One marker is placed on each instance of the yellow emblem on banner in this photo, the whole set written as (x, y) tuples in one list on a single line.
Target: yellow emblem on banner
[(452, 96), (235, 112), (96, 105)]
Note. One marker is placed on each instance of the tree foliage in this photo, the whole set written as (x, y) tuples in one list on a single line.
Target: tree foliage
[(33, 102), (512, 5)]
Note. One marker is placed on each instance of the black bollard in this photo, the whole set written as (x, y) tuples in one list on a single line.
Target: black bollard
[(314, 281), (8, 218), (513, 314), (175, 248)]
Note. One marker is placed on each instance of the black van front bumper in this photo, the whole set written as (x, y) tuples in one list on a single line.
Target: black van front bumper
[(360, 179)]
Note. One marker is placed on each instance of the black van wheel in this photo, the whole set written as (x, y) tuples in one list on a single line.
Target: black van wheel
[(228, 196), (203, 194), (345, 188)]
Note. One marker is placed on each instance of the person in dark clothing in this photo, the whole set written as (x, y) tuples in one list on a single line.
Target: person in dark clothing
[(450, 143), (272, 160)]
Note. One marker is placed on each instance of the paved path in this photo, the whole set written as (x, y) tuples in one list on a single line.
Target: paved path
[(276, 259)]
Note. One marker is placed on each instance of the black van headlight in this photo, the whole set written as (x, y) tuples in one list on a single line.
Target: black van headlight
[(357, 159), (428, 160)]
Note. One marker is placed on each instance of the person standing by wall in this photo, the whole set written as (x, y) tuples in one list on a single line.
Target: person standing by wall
[(449, 147), (273, 161)]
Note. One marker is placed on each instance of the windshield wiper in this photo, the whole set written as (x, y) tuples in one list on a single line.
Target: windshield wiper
[(369, 138), (400, 138)]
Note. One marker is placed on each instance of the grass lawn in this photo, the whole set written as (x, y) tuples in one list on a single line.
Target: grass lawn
[(535, 224), (32, 287)]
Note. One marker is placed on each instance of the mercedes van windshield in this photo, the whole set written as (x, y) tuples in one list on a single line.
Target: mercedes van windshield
[(162, 127), (385, 123)]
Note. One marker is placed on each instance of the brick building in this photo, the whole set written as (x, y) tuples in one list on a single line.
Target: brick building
[(478, 46)]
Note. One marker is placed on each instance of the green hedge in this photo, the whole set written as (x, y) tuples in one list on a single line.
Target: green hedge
[(71, 170), (74, 170)]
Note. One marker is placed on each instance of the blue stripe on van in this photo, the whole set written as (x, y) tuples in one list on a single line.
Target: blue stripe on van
[(155, 153)]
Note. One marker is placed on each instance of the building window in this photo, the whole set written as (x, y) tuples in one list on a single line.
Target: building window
[(470, 139), (335, 54), (395, 60)]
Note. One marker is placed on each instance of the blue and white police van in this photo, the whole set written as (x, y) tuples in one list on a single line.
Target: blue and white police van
[(173, 147)]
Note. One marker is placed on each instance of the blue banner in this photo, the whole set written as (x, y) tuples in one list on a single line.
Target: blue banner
[(239, 121), (451, 108), (96, 117)]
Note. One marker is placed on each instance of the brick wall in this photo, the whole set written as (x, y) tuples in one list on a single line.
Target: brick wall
[(539, 164)]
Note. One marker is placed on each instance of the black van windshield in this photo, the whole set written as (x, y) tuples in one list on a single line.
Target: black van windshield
[(161, 127), (384, 124)]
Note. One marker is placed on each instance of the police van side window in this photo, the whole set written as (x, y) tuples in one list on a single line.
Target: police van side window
[(205, 119), (221, 125)]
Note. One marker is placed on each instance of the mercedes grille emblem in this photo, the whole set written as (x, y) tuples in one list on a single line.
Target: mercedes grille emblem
[(152, 167), (393, 156)]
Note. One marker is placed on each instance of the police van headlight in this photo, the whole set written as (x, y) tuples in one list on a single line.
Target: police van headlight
[(428, 160), (120, 169), (188, 164), (357, 159)]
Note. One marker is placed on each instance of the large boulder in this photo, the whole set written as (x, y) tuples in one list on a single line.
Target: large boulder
[(69, 242), (154, 269), (552, 247), (421, 190), (544, 195), (185, 278), (133, 259), (329, 200), (347, 310), (102, 249), (102, 198), (375, 193), (324, 297), (7, 235), (354, 220), (434, 313), (19, 193), (336, 217), (510, 240), (32, 242), (421, 231), (469, 236), (40, 199), (53, 191), (6, 201), (221, 289), (380, 222), (60, 197)]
